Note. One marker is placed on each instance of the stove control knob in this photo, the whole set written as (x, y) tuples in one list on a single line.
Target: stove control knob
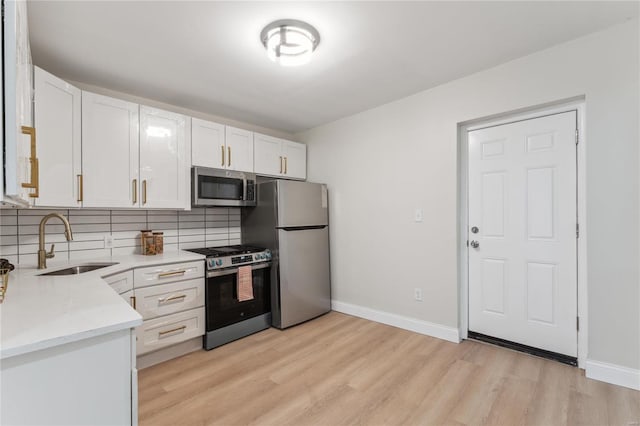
[(219, 262), (212, 263), (257, 256)]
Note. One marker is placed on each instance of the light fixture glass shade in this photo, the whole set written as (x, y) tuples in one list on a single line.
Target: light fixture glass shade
[(290, 42)]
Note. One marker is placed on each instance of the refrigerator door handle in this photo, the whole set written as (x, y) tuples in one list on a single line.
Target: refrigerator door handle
[(301, 228)]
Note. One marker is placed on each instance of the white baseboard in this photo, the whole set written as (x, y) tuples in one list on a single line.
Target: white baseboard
[(423, 327), (614, 374)]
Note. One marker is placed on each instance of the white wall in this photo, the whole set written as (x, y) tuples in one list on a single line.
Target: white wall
[(383, 163)]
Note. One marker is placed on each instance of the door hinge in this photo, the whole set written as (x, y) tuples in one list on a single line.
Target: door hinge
[(578, 323), (577, 230), (467, 243), (577, 136)]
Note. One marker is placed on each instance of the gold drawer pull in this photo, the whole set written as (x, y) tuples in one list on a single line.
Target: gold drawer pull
[(171, 274), (173, 330), (133, 301), (169, 299), (80, 189), (134, 185), (222, 151), (280, 164), (33, 160), (144, 191), (229, 159), (285, 165)]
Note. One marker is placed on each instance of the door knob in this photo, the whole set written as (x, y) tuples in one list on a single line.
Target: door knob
[(475, 229), (475, 244)]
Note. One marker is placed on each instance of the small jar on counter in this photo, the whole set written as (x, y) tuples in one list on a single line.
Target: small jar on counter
[(158, 240)]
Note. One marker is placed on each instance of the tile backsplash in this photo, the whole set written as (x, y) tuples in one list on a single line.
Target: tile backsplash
[(202, 227)]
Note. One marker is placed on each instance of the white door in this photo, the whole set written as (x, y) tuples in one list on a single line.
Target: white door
[(239, 149), (207, 144), (522, 199), (268, 155), (109, 152), (295, 159), (57, 118), (164, 159)]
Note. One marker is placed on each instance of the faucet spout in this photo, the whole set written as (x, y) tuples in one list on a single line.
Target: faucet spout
[(42, 253)]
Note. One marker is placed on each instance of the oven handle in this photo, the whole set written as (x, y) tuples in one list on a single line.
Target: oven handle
[(230, 271)]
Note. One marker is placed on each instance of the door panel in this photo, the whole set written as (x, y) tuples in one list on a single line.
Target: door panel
[(301, 204), (522, 197), (57, 118), (295, 155), (109, 152), (268, 155), (239, 149), (207, 144), (305, 287), (163, 159)]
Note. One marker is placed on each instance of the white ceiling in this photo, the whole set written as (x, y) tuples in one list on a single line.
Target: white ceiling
[(207, 56)]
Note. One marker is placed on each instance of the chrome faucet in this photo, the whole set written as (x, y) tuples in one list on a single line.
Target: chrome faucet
[(42, 253)]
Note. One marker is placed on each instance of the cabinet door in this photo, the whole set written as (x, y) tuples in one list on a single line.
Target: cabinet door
[(20, 184), (207, 144), (57, 118), (239, 149), (295, 159), (109, 152), (268, 155), (164, 159)]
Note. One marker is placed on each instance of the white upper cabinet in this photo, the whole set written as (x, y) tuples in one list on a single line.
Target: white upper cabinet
[(221, 147), (207, 144), (279, 157), (109, 152), (268, 155), (239, 149), (164, 159), (20, 145), (295, 159), (57, 118)]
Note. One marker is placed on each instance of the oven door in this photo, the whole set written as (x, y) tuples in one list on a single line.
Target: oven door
[(221, 293)]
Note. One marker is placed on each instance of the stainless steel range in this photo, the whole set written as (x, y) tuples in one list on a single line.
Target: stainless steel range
[(228, 316)]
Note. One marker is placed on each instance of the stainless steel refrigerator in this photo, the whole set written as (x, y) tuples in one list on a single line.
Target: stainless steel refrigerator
[(291, 220)]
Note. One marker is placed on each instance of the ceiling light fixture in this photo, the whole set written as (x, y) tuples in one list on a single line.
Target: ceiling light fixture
[(290, 42)]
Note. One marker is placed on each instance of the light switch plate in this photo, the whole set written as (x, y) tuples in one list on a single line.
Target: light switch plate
[(108, 241), (419, 215)]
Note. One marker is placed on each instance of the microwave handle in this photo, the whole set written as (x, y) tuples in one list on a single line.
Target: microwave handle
[(231, 271)]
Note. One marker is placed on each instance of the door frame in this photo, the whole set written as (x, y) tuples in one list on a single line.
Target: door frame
[(574, 104)]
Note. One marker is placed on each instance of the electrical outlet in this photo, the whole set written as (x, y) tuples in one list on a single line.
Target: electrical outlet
[(419, 215), (417, 294), (108, 241)]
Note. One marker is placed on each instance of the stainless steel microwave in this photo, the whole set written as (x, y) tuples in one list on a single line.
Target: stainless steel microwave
[(218, 187)]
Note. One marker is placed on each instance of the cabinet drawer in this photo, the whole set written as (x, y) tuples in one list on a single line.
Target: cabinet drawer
[(168, 330), (161, 274), (163, 299), (120, 282)]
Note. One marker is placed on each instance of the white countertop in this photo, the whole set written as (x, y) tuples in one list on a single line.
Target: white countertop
[(40, 312)]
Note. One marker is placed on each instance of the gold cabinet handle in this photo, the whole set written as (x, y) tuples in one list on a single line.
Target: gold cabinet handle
[(169, 299), (144, 191), (133, 301), (173, 330), (134, 184), (33, 160), (281, 164), (80, 189), (229, 156), (222, 151), (171, 274), (285, 165)]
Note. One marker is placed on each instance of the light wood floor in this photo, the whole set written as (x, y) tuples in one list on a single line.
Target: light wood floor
[(339, 370)]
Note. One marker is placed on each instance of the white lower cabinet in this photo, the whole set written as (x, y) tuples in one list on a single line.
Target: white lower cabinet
[(167, 330), (170, 299), (88, 382)]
